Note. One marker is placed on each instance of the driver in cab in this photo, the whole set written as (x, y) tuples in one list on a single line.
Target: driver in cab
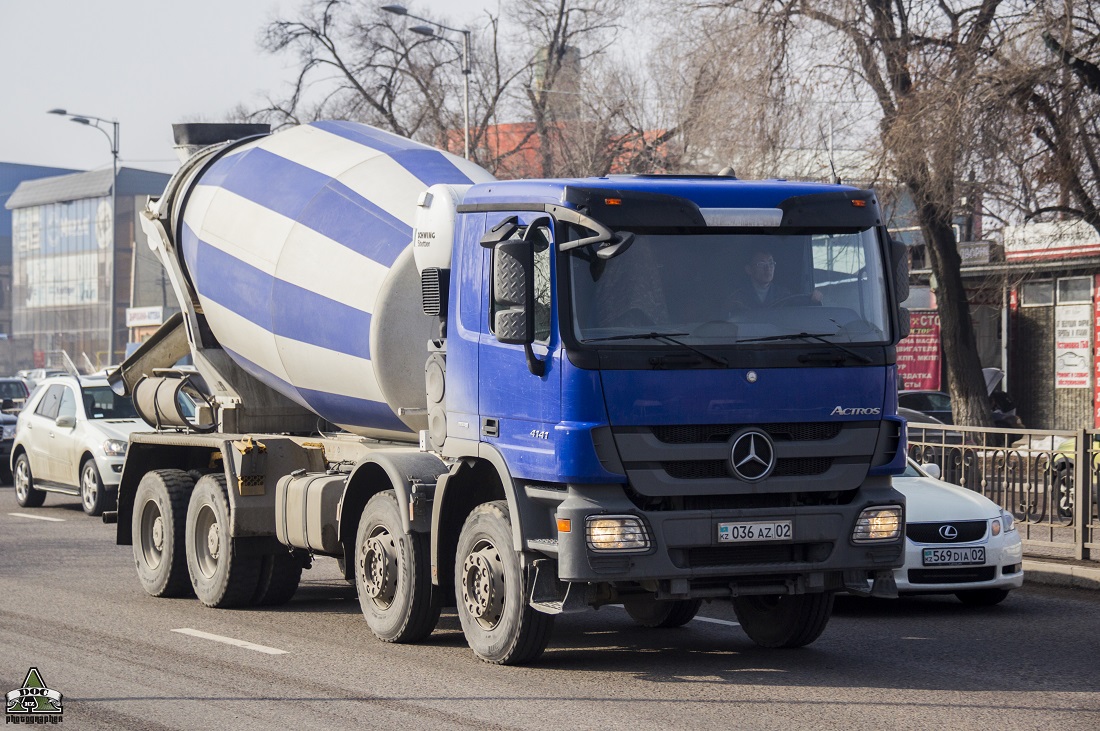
[(762, 291)]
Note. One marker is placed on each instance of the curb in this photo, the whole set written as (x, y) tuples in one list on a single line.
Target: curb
[(1054, 573)]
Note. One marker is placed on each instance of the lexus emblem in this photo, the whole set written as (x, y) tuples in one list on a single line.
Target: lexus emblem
[(752, 456), (949, 532)]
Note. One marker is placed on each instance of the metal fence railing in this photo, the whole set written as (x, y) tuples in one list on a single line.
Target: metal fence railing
[(1047, 479)]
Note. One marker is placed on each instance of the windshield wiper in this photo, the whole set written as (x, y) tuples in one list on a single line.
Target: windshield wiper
[(671, 337), (819, 337)]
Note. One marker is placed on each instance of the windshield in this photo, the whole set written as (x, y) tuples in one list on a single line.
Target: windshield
[(100, 402), (718, 288)]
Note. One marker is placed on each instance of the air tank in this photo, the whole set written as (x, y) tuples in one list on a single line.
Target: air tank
[(297, 246)]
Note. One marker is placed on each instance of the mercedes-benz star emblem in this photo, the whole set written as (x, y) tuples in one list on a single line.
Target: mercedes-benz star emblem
[(752, 456), (949, 532)]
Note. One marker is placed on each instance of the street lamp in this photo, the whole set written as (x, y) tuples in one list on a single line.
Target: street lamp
[(89, 120), (425, 30)]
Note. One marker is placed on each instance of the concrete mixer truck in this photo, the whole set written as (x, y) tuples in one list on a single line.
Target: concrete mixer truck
[(518, 398)]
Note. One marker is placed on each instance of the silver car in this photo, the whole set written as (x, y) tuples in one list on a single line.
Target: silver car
[(71, 439)]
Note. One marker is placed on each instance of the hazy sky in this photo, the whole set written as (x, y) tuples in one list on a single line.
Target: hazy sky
[(144, 63)]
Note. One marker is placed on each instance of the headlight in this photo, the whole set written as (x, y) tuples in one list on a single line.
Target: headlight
[(995, 526), (1008, 522), (616, 533), (9, 431), (882, 523), (114, 448)]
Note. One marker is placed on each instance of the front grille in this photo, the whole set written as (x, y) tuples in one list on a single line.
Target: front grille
[(711, 433), (965, 575), (747, 555), (719, 468), (969, 531)]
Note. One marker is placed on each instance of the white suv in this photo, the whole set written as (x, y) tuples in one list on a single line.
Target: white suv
[(71, 438)]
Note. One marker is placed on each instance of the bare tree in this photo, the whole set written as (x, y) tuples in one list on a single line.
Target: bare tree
[(356, 62), (922, 61), (1052, 77)]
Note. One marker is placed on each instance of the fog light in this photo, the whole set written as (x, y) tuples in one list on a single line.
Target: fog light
[(616, 533), (878, 524)]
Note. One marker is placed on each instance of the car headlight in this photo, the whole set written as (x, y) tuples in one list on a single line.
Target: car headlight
[(9, 431), (881, 523), (616, 533), (114, 448), (1008, 521)]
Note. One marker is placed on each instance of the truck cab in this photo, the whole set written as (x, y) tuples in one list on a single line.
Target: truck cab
[(671, 436)]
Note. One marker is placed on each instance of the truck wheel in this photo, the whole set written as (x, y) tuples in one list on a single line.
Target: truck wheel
[(499, 625), (220, 576), (784, 620), (25, 492), (649, 612), (280, 574), (157, 526), (393, 574), (91, 489)]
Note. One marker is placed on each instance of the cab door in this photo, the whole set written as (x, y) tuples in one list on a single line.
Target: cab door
[(519, 395)]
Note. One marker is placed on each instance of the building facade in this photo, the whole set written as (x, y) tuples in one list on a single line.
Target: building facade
[(73, 262)]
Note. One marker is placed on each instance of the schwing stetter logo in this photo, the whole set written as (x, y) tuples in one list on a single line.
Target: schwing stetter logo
[(34, 702)]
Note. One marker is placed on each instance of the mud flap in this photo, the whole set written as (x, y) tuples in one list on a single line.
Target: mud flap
[(882, 584)]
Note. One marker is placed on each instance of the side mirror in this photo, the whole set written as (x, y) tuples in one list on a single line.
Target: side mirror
[(513, 293), (933, 470), (65, 422)]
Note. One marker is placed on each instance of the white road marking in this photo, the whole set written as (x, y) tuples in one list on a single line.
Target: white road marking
[(37, 517), (718, 621), (231, 641)]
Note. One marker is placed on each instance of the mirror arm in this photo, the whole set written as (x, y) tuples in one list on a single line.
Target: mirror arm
[(603, 233), (536, 366)]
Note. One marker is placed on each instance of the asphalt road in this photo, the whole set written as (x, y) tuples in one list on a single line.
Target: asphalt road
[(71, 606)]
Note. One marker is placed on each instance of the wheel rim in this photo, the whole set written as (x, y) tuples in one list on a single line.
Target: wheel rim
[(152, 534), (89, 486), (378, 567), (207, 541), (483, 585), (22, 480)]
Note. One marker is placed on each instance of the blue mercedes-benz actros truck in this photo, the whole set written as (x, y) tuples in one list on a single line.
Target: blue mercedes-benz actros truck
[(518, 398)]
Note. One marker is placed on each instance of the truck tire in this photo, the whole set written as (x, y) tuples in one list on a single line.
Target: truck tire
[(280, 574), (393, 574), (490, 588), (157, 526), (784, 620), (26, 494), (220, 576), (649, 612)]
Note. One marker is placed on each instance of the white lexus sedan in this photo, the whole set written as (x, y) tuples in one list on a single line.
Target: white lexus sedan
[(956, 541)]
